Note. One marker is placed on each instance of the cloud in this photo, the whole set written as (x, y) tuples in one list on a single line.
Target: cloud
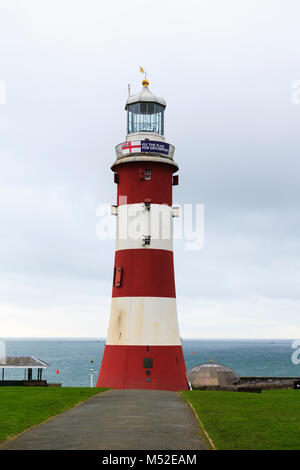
[(225, 70)]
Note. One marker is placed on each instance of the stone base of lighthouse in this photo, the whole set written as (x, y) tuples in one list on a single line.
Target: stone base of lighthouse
[(143, 367)]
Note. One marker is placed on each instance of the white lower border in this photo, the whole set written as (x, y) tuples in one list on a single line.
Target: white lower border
[(150, 321)]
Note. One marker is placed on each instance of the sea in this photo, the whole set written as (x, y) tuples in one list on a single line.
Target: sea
[(70, 360)]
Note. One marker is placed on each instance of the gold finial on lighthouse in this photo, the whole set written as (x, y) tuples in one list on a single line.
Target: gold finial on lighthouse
[(145, 82)]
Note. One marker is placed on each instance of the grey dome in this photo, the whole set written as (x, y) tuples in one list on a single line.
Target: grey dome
[(211, 375), (147, 96)]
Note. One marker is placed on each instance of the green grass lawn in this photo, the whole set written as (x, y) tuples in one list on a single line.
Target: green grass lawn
[(23, 407), (240, 420)]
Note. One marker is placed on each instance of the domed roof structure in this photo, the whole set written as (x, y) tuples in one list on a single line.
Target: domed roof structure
[(211, 375), (147, 96)]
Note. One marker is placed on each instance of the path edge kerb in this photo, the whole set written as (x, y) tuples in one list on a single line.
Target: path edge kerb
[(11, 438), (201, 425)]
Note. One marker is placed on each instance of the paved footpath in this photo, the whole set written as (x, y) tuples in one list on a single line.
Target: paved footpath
[(118, 419)]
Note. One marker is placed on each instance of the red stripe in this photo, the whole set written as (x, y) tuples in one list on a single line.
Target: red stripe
[(123, 367), (145, 273), (158, 189)]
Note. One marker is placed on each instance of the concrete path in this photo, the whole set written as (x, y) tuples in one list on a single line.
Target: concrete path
[(118, 419)]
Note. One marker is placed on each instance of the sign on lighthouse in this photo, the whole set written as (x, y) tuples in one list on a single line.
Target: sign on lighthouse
[(143, 347)]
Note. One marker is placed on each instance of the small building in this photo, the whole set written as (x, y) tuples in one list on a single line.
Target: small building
[(28, 363), (219, 377), (211, 376)]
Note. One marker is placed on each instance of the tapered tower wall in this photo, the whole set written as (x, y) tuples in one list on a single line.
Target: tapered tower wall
[(143, 348)]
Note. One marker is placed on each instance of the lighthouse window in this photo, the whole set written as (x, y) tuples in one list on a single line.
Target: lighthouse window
[(148, 362), (145, 117), (147, 240), (147, 174), (117, 276)]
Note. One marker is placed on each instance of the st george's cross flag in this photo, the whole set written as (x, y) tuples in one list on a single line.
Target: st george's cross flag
[(131, 147)]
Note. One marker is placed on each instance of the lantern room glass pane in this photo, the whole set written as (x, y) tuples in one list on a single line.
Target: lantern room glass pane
[(145, 117)]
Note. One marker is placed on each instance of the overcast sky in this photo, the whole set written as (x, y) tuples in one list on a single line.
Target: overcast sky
[(226, 69)]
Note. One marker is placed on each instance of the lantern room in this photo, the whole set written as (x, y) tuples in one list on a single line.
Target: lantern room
[(145, 112)]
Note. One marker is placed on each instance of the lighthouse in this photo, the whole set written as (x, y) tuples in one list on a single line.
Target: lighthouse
[(143, 348)]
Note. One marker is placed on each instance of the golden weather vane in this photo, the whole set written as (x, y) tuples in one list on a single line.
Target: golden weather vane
[(145, 82)]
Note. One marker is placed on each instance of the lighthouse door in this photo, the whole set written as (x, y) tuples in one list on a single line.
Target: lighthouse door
[(148, 363)]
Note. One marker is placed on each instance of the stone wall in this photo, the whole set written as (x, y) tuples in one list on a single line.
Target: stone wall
[(267, 383), (256, 384)]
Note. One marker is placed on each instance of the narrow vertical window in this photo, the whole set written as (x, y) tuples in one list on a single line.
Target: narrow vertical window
[(175, 180), (146, 240), (147, 174), (117, 277)]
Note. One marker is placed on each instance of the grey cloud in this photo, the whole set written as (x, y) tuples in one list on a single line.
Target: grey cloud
[(227, 84)]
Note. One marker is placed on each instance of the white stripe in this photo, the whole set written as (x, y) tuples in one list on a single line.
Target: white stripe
[(167, 159), (135, 222), (149, 321)]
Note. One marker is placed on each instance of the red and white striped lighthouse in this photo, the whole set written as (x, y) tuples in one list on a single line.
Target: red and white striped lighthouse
[(143, 348)]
